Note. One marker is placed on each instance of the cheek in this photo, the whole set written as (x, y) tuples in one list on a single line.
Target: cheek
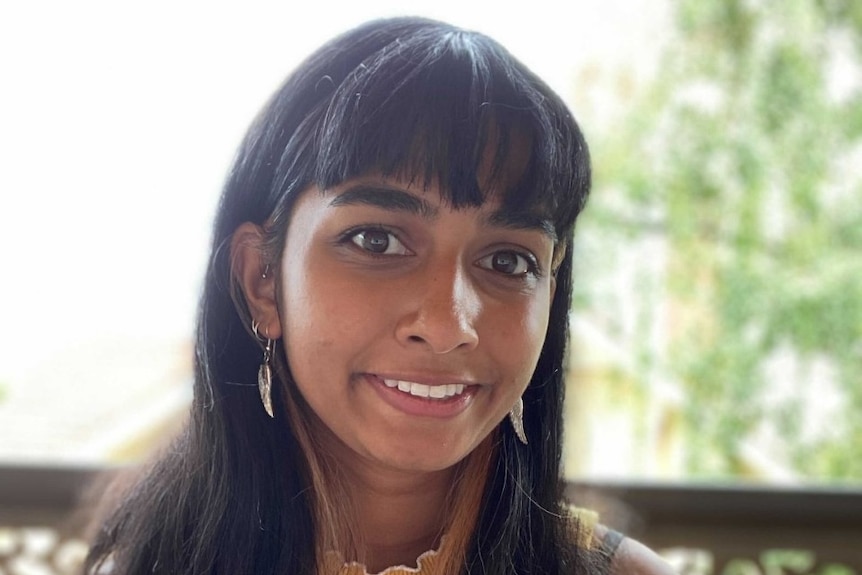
[(304, 309), (521, 337), (534, 319), (536, 326), (306, 314), (326, 317)]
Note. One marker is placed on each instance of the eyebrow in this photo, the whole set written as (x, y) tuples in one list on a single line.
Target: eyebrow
[(387, 199), (395, 200), (528, 221)]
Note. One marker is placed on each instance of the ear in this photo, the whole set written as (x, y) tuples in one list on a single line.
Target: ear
[(256, 278), (556, 262)]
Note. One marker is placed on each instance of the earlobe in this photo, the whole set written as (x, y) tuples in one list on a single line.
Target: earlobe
[(255, 278)]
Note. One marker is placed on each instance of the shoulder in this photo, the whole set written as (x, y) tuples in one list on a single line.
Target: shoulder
[(635, 558), (625, 556)]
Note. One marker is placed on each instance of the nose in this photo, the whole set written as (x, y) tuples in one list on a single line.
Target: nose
[(443, 312)]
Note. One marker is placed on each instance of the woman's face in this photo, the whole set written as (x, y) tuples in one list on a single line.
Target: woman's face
[(410, 328)]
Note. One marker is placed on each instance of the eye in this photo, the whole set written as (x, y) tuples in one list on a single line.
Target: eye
[(510, 263), (378, 242)]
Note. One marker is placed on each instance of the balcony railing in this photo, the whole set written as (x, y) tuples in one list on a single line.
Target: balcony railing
[(701, 529), (739, 530)]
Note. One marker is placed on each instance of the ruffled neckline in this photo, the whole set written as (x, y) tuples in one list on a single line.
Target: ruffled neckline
[(424, 564), (427, 562)]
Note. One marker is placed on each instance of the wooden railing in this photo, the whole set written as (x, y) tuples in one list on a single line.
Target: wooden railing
[(702, 530), (736, 530), (41, 523)]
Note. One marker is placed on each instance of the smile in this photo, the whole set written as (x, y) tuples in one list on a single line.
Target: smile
[(422, 390)]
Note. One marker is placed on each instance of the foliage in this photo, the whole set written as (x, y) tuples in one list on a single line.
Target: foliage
[(745, 158)]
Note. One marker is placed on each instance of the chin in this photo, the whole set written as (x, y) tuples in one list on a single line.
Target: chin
[(418, 466), (423, 459)]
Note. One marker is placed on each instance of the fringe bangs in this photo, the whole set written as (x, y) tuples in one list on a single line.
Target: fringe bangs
[(455, 110)]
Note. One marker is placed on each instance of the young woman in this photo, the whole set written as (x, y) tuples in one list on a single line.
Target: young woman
[(379, 360)]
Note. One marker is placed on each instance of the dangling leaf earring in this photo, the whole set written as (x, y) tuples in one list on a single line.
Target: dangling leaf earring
[(264, 374), (516, 416)]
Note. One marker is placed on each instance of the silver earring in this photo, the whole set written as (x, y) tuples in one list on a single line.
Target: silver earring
[(516, 416), (264, 374)]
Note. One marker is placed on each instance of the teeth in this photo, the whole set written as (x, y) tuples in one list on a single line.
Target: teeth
[(419, 390), (422, 390)]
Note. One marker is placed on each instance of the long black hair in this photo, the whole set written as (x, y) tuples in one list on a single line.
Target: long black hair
[(408, 97)]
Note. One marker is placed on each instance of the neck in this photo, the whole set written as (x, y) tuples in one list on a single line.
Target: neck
[(393, 516), (401, 515)]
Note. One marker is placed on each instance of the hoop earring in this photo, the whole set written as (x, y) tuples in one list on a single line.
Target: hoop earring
[(264, 373), (516, 417)]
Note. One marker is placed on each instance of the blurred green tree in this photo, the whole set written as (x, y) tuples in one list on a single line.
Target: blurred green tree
[(742, 164)]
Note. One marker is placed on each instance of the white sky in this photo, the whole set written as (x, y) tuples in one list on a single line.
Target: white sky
[(118, 121)]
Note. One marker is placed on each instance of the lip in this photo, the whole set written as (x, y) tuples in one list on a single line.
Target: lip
[(423, 406)]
